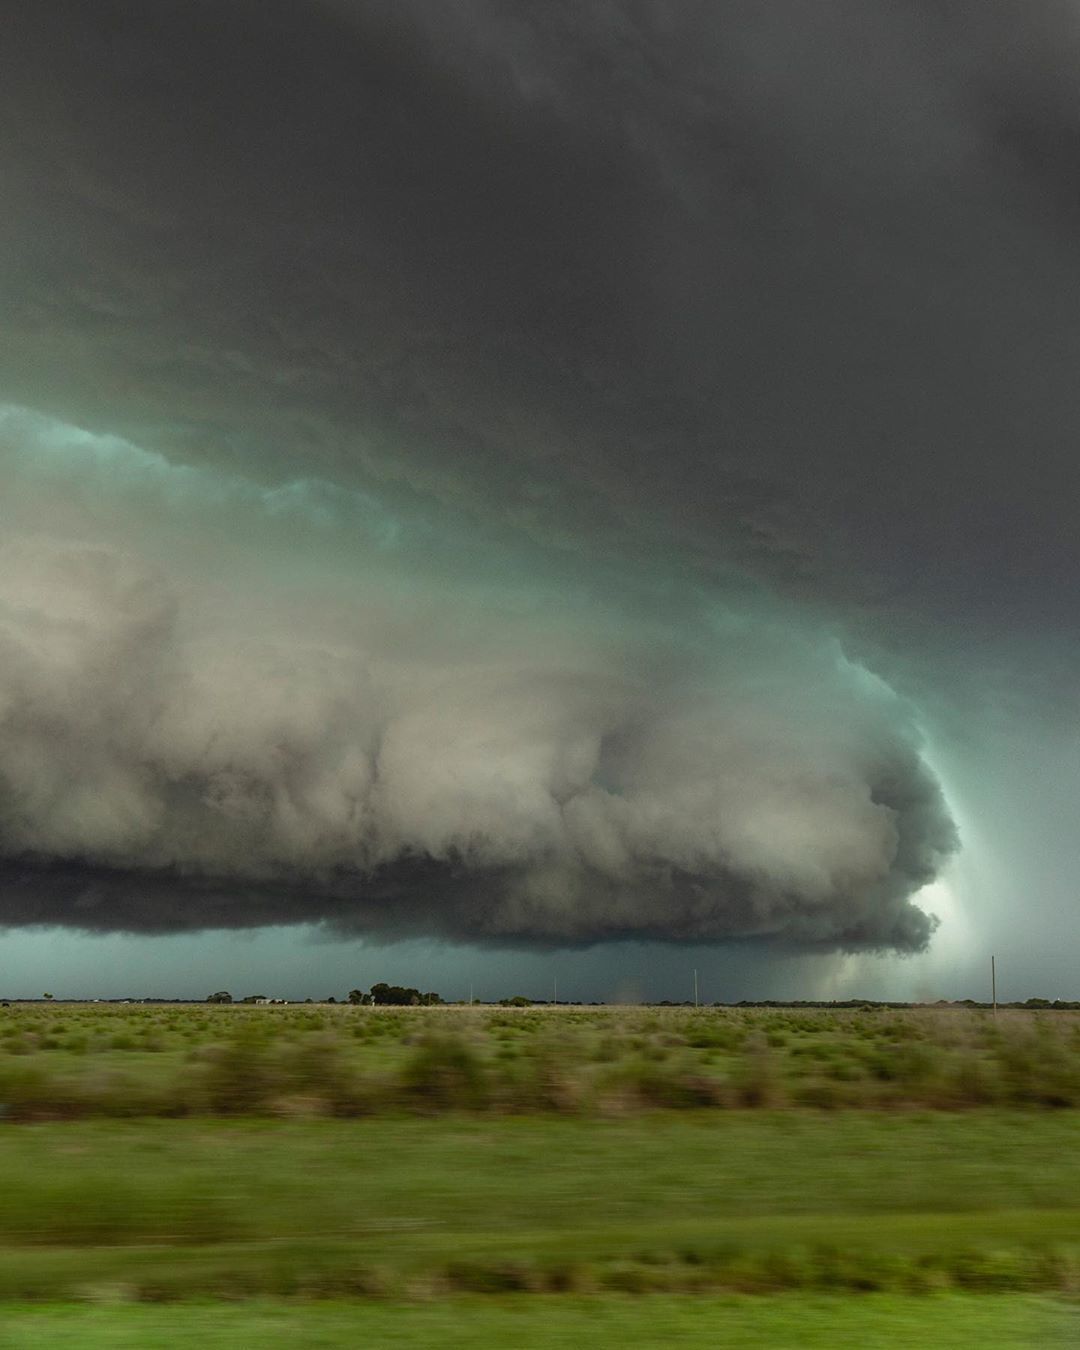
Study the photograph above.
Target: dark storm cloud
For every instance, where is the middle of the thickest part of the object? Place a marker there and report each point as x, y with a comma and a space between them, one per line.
763, 297
456, 901
359, 751
746, 276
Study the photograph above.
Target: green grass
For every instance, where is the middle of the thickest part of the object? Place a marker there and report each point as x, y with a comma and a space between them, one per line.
536, 1323
507, 1176
79, 1061
658, 1202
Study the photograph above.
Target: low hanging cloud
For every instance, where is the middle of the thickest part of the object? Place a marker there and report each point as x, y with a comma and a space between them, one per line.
560, 457
345, 733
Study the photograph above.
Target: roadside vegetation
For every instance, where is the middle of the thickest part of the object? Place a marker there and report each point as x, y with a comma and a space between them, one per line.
445, 1170
65, 1062
689, 1203
812, 1322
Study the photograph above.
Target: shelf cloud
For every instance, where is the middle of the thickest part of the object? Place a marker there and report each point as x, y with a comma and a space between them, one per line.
494, 761
526, 476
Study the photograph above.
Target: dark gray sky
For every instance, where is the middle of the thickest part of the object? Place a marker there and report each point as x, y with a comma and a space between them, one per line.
527, 479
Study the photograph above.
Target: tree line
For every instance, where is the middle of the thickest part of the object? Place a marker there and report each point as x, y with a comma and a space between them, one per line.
386, 995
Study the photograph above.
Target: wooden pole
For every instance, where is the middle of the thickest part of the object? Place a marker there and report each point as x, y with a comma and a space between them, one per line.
993, 983
695, 989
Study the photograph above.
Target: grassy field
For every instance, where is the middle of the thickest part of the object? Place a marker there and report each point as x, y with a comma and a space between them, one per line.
59, 1062
637, 1172
665, 1202
872, 1322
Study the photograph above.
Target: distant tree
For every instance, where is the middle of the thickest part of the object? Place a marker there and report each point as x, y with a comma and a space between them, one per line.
254, 998
222, 996
400, 996
331, 999
356, 996
518, 1001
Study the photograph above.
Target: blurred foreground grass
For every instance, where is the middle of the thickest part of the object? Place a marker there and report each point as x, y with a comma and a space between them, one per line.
871, 1322
661, 1202
538, 1177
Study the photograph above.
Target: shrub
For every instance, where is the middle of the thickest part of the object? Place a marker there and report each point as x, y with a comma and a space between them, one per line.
445, 1074
756, 1080
237, 1077
314, 1070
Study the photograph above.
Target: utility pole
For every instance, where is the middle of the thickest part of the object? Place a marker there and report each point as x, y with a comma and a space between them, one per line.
695, 988
556, 979
993, 983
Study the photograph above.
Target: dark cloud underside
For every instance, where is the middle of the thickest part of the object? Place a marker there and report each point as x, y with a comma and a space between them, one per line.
537, 420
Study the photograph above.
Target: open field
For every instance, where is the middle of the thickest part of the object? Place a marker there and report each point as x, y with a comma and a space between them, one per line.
872, 1322
537, 1176
71, 1061
747, 1202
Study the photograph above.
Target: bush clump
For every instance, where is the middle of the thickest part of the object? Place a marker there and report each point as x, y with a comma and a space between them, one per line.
445, 1074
